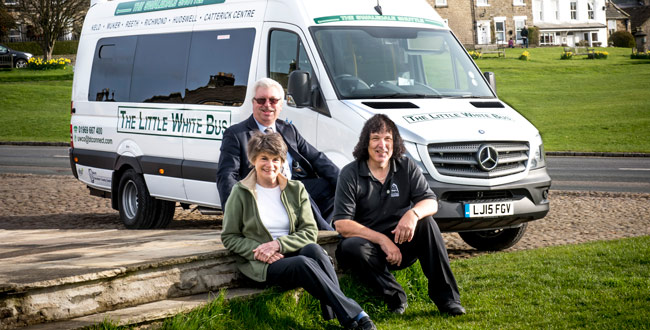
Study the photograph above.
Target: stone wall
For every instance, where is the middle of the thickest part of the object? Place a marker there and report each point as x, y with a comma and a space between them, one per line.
458, 13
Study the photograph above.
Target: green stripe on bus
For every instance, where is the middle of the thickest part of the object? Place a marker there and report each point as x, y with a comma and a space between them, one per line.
385, 18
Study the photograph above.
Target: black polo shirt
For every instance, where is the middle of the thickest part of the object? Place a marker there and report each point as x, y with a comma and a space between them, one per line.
364, 199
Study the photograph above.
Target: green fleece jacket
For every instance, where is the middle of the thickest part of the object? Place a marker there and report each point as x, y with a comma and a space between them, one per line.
244, 231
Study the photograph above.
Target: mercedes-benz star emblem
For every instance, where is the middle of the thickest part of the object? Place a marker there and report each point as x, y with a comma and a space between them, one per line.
487, 157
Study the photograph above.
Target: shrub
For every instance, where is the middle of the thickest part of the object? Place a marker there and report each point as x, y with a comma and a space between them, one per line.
60, 47
475, 54
533, 36
566, 56
622, 39
525, 56
36, 63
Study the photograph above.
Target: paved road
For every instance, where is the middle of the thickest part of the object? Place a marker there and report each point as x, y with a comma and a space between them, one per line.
613, 174
34, 160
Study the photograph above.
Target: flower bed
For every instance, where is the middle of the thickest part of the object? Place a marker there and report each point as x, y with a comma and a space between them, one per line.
641, 56
37, 63
566, 56
475, 54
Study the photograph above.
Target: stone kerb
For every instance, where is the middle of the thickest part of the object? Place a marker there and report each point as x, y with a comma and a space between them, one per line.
92, 293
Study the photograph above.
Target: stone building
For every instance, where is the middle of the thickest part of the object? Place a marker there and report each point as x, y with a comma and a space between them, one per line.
640, 21
485, 21
458, 15
617, 19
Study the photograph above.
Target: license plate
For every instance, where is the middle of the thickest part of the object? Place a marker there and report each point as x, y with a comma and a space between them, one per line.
488, 209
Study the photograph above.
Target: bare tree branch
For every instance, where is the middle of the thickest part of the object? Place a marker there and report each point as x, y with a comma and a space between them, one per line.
52, 18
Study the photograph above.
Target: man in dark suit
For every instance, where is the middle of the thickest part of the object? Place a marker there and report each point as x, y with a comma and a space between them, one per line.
304, 162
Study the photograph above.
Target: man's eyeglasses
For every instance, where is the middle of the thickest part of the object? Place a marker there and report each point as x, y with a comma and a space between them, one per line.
262, 100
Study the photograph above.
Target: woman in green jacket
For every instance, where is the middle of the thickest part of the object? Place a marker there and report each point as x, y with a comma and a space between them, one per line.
270, 224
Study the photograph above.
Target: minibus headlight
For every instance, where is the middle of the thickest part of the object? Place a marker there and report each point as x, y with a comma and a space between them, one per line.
412, 152
539, 158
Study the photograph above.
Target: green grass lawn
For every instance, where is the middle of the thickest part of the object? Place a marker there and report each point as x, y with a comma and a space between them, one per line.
35, 111
600, 285
579, 104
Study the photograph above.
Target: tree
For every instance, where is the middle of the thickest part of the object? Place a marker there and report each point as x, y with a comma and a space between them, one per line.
52, 18
7, 22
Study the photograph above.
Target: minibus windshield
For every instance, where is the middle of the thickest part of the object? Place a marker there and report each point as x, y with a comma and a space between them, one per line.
393, 62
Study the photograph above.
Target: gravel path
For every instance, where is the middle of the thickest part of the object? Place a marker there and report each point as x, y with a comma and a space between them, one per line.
61, 202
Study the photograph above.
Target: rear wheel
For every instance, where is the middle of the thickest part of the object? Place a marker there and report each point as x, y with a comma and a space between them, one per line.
494, 240
137, 207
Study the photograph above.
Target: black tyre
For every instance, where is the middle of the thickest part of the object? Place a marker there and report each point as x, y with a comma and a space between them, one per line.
164, 214
494, 240
137, 207
20, 63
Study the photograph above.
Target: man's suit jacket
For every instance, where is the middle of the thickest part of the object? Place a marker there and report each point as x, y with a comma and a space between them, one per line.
233, 161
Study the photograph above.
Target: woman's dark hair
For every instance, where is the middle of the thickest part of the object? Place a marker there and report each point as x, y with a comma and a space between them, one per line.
272, 144
377, 124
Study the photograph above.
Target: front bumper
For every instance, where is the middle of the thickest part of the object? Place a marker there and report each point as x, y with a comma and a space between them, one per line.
529, 197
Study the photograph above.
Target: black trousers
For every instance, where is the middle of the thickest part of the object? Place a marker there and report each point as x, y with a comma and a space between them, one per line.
311, 269
321, 197
368, 261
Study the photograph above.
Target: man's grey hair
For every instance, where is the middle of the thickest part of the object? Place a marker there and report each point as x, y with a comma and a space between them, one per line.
269, 83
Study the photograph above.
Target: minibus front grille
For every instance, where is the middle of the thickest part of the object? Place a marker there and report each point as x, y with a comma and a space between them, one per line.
479, 160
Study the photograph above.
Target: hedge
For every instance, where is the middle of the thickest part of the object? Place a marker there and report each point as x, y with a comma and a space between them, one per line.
67, 47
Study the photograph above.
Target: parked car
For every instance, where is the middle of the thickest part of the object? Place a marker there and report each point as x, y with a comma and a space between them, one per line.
9, 56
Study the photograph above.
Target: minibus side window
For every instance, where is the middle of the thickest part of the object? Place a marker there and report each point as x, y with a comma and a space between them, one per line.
159, 68
219, 64
110, 78
286, 54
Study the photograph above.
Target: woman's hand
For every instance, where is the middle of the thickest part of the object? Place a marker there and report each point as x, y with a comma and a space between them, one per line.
268, 252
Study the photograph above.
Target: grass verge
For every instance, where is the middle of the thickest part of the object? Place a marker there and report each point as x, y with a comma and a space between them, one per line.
600, 285
580, 104
35, 111
23, 75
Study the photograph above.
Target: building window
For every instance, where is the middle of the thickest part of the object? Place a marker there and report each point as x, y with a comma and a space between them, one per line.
519, 25
611, 26
441, 3
482, 3
555, 5
547, 38
11, 2
500, 30
590, 10
519, 2
574, 10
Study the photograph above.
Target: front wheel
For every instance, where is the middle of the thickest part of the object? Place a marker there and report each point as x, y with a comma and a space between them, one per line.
20, 63
137, 207
494, 240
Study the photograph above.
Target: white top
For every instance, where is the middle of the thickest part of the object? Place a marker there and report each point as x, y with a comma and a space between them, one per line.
272, 212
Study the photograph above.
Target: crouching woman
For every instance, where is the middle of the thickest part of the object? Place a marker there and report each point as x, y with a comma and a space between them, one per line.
268, 221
